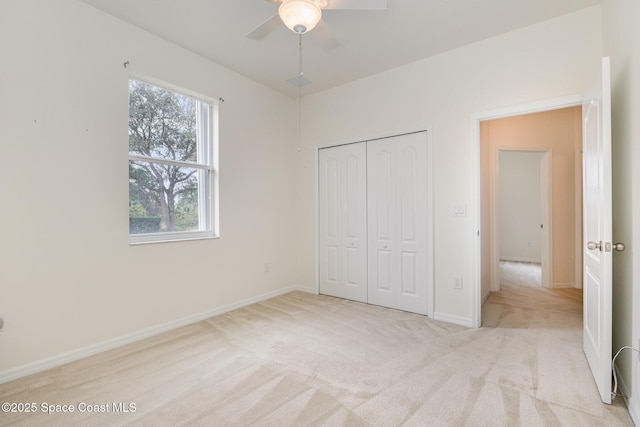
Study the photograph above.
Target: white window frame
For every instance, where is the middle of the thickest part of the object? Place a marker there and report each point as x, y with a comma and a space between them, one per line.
207, 163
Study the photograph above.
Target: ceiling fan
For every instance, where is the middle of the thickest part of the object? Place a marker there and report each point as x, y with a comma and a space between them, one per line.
302, 16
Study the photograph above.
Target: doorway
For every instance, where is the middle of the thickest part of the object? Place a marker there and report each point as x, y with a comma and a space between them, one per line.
522, 218
537, 129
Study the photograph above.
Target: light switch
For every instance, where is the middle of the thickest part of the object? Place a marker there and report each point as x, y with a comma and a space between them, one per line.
460, 210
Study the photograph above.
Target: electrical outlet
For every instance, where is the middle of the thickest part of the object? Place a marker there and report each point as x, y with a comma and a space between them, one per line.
267, 267
457, 283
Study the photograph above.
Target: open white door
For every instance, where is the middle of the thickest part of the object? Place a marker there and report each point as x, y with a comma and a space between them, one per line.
597, 282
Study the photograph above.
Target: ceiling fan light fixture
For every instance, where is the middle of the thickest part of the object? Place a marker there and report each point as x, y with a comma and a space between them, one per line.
300, 16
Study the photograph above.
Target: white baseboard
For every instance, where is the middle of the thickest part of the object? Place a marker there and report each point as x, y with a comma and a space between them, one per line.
634, 411
518, 259
301, 288
632, 404
463, 321
486, 296
61, 359
563, 285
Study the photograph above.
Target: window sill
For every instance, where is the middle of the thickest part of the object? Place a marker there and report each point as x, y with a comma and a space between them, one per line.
150, 238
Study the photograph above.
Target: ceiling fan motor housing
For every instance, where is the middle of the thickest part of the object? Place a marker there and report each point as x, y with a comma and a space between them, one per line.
300, 16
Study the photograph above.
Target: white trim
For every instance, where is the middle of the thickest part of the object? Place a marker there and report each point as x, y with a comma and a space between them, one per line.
177, 236
486, 296
457, 320
301, 288
563, 285
174, 88
632, 404
530, 108
634, 410
61, 359
475, 222
516, 259
474, 215
546, 202
431, 255
390, 134
316, 213
578, 267
146, 159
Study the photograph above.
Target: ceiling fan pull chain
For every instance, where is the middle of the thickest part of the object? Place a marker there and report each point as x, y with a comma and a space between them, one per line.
300, 73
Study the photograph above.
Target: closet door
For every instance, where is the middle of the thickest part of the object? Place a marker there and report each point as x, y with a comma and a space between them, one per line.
398, 215
343, 221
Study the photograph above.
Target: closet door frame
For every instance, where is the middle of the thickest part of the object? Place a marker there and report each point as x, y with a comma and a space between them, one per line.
429, 196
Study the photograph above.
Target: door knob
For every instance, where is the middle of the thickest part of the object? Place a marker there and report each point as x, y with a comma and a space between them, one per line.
619, 247
593, 245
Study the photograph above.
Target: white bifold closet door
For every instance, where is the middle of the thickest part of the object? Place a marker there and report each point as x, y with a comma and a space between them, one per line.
342, 220
398, 222
374, 216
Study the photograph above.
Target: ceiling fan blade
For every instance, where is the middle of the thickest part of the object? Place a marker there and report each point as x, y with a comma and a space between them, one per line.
266, 28
357, 4
325, 37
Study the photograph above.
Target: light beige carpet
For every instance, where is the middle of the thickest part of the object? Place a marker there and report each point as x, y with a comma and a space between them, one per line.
521, 273
301, 359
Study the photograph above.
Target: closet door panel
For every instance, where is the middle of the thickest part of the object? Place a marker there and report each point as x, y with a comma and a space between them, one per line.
408, 283
381, 217
329, 203
381, 277
331, 267
407, 192
342, 222
398, 215
413, 209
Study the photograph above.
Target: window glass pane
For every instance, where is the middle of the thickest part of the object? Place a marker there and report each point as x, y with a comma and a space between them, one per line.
172, 153
164, 198
162, 124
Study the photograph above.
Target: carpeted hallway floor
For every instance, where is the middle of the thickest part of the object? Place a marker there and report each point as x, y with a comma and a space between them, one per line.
521, 273
302, 359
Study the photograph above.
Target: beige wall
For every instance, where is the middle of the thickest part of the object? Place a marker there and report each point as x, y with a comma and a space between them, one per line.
68, 278
558, 131
621, 34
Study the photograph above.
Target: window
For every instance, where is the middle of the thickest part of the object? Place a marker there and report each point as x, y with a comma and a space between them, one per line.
172, 165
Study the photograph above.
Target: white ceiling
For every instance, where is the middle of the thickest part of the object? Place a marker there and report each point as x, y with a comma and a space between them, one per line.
371, 41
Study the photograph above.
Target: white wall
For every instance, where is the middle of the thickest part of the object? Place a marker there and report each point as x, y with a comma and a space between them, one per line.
543, 61
519, 206
68, 277
621, 35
